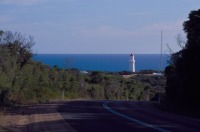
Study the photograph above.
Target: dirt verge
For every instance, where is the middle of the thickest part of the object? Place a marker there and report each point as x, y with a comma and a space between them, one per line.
34, 118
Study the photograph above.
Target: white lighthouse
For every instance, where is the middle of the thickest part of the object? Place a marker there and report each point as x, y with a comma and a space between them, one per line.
132, 63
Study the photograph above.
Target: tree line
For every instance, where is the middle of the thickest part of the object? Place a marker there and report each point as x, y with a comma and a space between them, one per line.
23, 80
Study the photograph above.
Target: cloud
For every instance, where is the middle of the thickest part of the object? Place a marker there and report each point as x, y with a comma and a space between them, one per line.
5, 19
173, 28
139, 14
147, 36
170, 31
20, 2
106, 31
170, 28
30, 2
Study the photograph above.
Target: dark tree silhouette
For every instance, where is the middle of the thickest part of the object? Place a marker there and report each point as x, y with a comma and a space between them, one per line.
183, 80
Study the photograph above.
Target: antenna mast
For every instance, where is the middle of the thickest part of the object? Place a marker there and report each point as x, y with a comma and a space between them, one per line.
161, 48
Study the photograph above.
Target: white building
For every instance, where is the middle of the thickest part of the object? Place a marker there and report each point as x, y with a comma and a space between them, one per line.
132, 63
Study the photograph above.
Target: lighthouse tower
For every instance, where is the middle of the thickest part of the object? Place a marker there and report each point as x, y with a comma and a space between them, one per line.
132, 63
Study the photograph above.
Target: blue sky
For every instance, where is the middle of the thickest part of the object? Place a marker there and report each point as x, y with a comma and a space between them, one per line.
97, 26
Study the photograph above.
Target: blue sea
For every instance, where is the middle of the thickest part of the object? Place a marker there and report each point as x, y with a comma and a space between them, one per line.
103, 62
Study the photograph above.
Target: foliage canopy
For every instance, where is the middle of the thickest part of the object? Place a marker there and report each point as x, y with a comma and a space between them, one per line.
183, 76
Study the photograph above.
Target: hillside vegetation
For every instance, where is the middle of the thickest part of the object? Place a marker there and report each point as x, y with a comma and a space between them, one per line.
23, 80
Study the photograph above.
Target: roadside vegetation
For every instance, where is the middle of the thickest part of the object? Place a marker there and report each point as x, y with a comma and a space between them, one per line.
183, 75
23, 80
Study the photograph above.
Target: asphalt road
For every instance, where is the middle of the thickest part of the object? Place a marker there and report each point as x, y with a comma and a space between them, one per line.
123, 116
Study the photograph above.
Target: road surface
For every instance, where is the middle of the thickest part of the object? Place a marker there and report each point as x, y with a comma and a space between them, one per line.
123, 116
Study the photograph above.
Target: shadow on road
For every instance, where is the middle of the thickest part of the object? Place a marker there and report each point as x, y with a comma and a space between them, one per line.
91, 116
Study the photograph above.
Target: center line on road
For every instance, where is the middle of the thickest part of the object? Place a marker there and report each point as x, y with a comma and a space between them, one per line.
133, 120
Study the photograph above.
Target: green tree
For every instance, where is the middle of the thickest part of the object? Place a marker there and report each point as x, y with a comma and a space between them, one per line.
19, 45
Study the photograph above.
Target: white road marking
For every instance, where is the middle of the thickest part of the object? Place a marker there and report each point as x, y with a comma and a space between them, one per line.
132, 119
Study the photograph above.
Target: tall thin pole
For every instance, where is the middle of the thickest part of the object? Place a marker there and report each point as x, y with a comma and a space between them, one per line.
161, 48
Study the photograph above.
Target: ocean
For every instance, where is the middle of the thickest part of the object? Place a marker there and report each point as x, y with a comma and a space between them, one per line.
103, 62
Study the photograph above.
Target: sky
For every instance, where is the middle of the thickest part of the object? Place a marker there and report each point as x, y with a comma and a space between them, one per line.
98, 26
